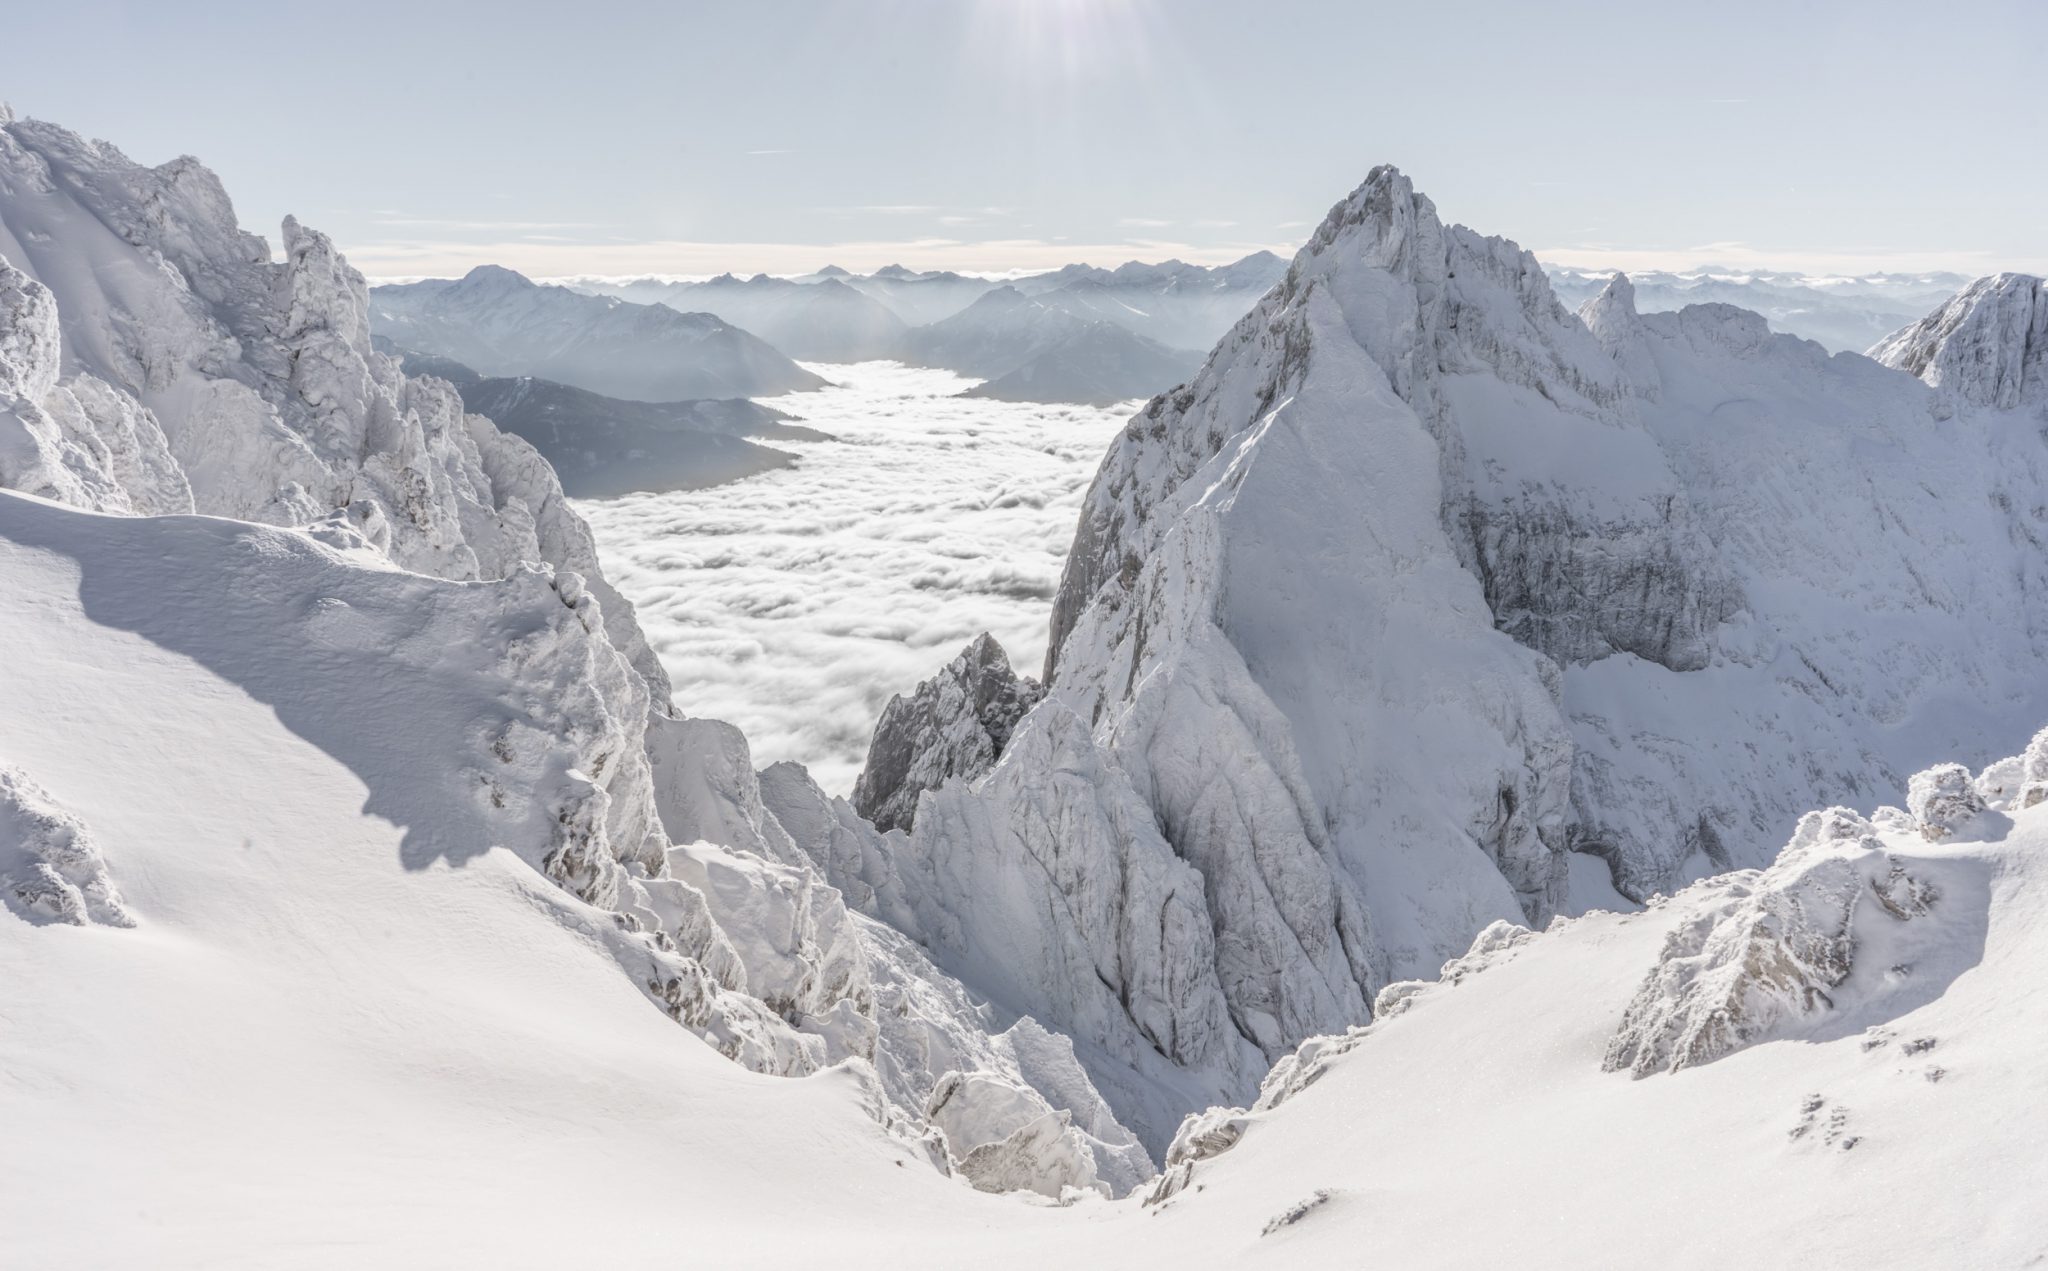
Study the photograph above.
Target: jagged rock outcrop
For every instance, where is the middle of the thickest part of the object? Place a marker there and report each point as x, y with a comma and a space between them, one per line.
1987, 346
1778, 951
260, 378
781, 897
955, 725
82, 442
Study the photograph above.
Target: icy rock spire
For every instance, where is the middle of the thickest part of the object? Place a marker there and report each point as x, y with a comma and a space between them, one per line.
955, 725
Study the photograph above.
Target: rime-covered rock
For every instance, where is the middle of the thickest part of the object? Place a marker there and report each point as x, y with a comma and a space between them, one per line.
1778, 952
51, 869
954, 726
81, 442
201, 369
1988, 345
1943, 800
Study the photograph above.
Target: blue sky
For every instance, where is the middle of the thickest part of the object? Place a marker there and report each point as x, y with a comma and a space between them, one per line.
782, 135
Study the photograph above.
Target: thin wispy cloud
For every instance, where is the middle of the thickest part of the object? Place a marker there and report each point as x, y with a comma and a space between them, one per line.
1739, 255
1143, 222
482, 227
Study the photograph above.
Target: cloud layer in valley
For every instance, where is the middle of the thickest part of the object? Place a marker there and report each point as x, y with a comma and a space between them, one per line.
795, 602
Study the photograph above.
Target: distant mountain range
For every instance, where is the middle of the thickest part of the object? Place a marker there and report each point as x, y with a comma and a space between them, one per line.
603, 447
1122, 333
1842, 313
502, 323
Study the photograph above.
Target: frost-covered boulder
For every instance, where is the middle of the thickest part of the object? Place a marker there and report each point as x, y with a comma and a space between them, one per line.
51, 869
954, 726
1943, 801
1781, 949
1005, 1137
1987, 346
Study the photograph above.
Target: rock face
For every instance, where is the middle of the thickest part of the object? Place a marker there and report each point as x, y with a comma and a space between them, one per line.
1425, 583
1988, 346
1821, 934
82, 442
955, 725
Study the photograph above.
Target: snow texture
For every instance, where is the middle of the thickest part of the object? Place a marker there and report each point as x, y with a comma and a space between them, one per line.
1988, 346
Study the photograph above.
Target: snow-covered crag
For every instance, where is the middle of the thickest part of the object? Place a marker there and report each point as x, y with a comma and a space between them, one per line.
954, 726
215, 379
1424, 590
154, 359
1988, 346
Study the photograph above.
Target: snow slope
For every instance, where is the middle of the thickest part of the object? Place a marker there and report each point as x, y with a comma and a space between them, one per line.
334, 1037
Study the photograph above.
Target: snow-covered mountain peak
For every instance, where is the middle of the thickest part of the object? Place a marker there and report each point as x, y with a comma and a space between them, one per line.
496, 277
1988, 345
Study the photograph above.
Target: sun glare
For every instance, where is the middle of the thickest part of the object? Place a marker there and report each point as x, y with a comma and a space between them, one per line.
1071, 38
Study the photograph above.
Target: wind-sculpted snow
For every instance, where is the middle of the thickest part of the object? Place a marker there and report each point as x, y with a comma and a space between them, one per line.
778, 898
954, 726
519, 683
1842, 931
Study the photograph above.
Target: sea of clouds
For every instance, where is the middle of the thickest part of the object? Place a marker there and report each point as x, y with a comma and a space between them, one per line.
794, 603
